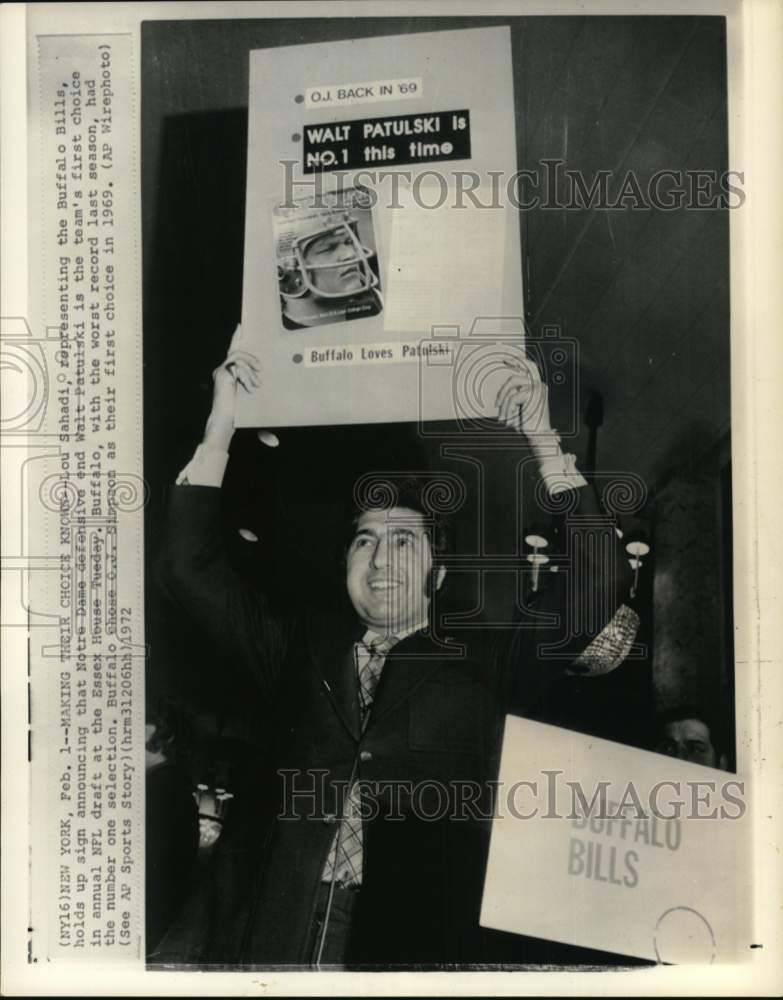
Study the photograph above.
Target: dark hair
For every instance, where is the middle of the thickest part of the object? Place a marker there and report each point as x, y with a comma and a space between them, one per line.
689, 710
413, 492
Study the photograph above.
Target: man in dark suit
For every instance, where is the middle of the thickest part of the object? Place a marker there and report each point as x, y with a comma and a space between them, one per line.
384, 742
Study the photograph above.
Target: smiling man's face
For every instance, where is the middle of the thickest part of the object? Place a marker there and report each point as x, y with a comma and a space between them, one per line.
388, 567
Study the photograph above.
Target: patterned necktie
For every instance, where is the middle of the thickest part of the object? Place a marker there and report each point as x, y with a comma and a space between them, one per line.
346, 855
370, 659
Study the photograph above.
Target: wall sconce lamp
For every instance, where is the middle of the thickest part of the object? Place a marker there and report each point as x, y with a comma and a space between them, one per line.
636, 546
537, 540
212, 806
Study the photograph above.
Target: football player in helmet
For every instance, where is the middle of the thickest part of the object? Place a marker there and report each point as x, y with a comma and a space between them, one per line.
328, 276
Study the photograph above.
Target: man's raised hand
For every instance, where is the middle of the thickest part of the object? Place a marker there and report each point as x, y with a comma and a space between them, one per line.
240, 368
523, 400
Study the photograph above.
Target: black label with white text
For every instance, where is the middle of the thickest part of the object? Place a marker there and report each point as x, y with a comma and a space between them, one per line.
397, 139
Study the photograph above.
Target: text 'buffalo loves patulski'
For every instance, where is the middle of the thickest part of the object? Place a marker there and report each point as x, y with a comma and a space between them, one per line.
368, 353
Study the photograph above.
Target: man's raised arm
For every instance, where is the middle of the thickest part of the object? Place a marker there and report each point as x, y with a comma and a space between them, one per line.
595, 626
193, 568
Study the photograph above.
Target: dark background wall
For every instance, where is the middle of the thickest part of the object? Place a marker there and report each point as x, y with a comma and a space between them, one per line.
644, 293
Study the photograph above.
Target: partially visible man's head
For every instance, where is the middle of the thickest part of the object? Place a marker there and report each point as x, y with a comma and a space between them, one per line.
393, 563
688, 734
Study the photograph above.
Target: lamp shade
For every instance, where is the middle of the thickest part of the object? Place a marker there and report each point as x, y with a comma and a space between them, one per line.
636, 544
537, 536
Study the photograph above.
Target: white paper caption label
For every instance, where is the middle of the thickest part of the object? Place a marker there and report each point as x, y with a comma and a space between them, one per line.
346, 94
391, 352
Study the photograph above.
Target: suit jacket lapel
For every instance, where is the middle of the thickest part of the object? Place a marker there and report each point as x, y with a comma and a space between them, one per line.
331, 640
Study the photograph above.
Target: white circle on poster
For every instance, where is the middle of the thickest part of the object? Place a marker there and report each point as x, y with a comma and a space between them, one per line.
683, 935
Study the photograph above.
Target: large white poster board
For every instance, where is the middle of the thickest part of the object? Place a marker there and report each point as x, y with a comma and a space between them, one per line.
658, 868
379, 224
